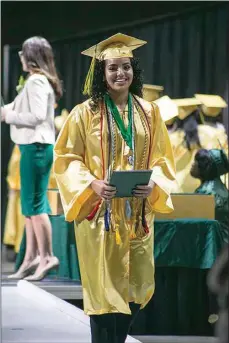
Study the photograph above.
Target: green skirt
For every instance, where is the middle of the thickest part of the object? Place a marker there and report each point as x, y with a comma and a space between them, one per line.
35, 165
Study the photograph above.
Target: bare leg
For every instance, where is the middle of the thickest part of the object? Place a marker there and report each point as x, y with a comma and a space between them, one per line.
31, 259
31, 242
43, 231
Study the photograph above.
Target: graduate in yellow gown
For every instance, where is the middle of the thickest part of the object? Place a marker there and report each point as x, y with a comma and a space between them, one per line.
169, 112
168, 109
151, 92
211, 107
188, 139
115, 129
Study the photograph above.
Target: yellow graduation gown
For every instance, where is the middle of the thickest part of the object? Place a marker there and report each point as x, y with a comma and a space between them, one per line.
209, 138
14, 221
113, 273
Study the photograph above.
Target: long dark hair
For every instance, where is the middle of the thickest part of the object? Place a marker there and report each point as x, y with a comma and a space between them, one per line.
99, 87
206, 165
38, 56
207, 168
214, 120
190, 127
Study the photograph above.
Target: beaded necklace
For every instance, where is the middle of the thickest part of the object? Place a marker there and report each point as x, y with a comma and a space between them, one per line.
113, 125
129, 203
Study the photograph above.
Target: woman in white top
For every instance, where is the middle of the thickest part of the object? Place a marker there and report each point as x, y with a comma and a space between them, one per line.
31, 119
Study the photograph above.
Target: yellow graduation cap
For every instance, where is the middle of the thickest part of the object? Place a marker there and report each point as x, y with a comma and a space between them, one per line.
116, 46
151, 92
211, 105
168, 109
59, 120
186, 106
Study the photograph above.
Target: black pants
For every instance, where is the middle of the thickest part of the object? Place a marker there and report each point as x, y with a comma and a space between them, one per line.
112, 327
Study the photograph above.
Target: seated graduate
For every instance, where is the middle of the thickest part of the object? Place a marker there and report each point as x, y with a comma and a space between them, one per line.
208, 166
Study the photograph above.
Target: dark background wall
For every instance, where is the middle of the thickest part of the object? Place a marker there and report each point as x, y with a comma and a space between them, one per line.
186, 51
61, 19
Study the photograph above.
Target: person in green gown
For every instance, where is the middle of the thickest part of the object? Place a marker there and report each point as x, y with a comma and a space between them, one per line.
208, 166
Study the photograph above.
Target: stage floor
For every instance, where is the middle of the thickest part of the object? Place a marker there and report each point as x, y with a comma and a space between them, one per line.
62, 288
30, 315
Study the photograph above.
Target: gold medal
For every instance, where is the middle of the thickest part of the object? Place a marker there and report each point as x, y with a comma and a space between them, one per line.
131, 160
126, 150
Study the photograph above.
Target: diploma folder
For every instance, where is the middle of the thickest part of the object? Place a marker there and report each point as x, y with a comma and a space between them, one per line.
126, 181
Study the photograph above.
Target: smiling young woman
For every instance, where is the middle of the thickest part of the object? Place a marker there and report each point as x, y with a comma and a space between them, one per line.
115, 129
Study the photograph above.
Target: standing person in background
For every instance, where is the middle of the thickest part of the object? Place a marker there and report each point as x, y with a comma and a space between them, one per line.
151, 92
114, 130
168, 109
185, 142
211, 110
190, 136
31, 119
169, 112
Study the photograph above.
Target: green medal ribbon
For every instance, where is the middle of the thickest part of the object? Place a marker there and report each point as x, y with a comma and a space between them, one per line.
126, 133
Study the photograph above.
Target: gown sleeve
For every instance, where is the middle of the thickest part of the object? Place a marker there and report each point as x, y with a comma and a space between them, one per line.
72, 175
162, 165
13, 176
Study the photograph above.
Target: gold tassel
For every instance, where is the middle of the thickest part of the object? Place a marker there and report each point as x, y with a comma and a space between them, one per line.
133, 235
132, 230
117, 236
201, 116
89, 78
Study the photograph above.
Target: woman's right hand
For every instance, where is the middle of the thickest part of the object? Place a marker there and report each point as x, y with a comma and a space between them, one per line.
3, 113
103, 189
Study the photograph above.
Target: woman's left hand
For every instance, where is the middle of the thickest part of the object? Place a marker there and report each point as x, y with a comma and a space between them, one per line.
144, 191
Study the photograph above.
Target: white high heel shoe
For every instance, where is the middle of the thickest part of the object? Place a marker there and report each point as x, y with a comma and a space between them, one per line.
52, 264
25, 271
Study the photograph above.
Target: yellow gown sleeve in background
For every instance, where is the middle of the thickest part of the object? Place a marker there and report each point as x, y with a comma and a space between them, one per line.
52, 180
73, 177
162, 165
13, 177
14, 221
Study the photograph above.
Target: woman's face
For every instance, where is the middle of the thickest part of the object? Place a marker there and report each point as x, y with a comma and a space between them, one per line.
22, 59
118, 74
